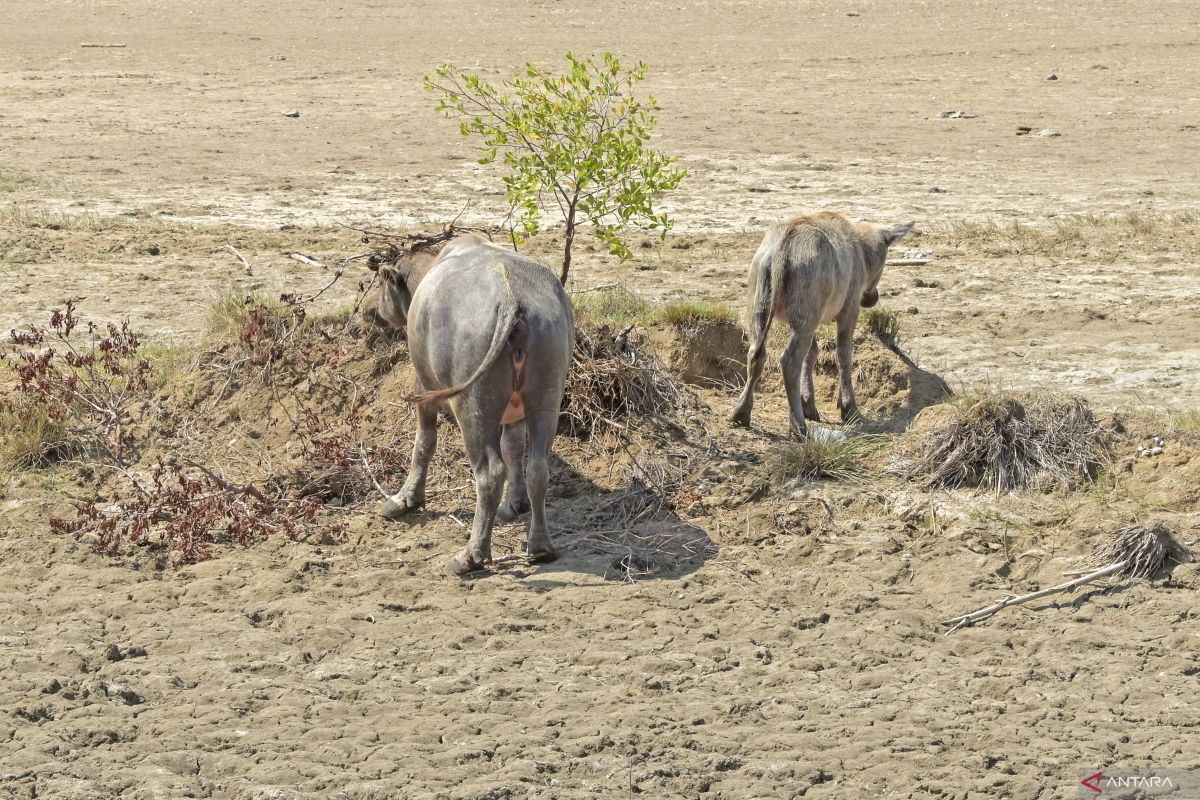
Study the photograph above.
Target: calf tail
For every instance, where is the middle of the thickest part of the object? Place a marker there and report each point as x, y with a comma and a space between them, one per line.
764, 294
509, 318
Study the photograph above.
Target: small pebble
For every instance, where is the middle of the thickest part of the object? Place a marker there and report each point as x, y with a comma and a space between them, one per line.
279, 58
1048, 133
292, 114
1156, 451
1051, 77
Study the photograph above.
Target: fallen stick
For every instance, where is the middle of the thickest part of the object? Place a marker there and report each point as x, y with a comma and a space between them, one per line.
241, 258
99, 44
303, 259
984, 613
908, 262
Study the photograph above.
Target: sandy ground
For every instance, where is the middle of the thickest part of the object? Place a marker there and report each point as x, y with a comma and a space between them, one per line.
803, 656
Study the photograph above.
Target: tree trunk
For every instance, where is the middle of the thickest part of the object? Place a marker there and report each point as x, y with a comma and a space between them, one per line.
568, 240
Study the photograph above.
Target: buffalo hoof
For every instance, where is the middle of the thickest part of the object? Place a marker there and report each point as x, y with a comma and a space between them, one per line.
508, 513
740, 418
396, 507
465, 563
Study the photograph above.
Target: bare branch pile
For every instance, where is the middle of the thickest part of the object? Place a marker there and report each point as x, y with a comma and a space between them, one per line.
615, 380
1003, 443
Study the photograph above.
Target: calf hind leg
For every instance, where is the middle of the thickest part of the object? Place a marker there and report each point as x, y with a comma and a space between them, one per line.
845, 355
756, 357
792, 362
807, 394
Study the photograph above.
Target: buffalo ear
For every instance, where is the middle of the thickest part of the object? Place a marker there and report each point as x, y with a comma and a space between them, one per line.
896, 233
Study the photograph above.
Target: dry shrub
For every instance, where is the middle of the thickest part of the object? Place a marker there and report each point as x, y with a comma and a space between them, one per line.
71, 393
614, 380
1005, 442
1143, 550
182, 513
338, 462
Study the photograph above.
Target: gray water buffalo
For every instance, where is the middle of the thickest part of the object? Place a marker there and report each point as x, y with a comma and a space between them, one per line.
809, 270
490, 333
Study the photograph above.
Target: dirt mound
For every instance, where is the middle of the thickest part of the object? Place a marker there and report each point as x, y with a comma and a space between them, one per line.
706, 353
889, 386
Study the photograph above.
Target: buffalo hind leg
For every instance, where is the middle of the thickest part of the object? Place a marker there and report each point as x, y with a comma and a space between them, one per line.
487, 460
412, 495
542, 427
808, 397
512, 445
845, 357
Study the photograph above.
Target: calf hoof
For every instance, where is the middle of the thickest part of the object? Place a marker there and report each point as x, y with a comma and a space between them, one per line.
799, 433
812, 415
395, 507
508, 513
740, 418
466, 562
542, 555
850, 415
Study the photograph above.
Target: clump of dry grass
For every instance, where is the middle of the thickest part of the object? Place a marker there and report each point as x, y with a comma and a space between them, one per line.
614, 380
823, 455
1006, 442
30, 436
1142, 550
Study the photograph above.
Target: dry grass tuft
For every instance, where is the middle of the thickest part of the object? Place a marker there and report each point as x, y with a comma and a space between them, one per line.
31, 437
1005, 442
1143, 550
614, 380
824, 455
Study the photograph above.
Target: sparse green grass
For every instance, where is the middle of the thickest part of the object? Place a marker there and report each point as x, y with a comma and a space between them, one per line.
23, 216
614, 306
1187, 421
230, 311
11, 180
823, 457
166, 361
618, 307
881, 322
694, 312
1085, 234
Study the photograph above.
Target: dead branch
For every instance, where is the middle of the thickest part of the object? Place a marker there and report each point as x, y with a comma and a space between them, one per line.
1134, 552
241, 258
